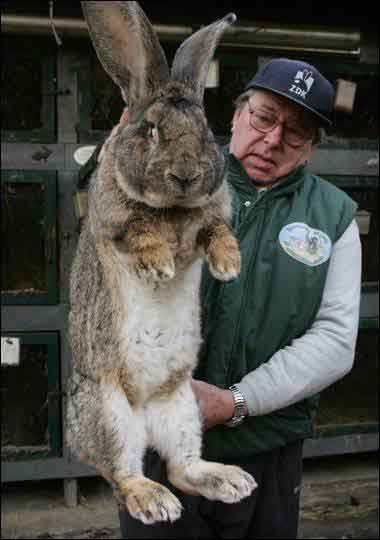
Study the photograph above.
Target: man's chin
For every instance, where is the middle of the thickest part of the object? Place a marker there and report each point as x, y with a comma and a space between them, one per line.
260, 178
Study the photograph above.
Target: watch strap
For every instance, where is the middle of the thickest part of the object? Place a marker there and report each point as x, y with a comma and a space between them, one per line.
240, 403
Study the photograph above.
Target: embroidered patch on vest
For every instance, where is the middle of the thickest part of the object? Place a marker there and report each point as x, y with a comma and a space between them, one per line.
307, 245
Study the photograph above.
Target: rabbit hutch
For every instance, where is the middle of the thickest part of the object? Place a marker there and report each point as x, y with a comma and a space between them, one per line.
58, 104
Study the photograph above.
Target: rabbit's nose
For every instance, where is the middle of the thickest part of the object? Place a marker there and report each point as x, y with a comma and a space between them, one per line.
183, 179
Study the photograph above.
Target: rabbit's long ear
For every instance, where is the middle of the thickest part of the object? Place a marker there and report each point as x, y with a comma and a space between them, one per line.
128, 48
192, 60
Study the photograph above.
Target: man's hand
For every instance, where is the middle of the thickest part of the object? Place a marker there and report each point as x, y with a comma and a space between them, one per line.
216, 405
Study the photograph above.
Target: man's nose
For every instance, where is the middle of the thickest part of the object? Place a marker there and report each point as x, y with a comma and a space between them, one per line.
274, 137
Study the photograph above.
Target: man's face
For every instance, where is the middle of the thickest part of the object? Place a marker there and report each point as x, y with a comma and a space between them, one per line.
266, 157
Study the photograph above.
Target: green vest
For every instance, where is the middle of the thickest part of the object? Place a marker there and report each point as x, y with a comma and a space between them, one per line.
285, 238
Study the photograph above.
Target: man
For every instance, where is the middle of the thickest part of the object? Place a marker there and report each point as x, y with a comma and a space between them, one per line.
287, 327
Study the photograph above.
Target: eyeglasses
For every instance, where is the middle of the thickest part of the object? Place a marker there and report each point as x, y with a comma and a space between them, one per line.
265, 122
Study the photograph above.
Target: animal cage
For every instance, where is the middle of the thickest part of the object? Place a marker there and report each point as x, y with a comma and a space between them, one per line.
57, 101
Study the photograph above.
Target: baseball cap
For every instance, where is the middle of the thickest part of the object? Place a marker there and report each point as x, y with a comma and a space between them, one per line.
299, 82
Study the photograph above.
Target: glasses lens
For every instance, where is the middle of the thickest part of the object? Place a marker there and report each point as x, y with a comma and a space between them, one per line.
296, 136
264, 121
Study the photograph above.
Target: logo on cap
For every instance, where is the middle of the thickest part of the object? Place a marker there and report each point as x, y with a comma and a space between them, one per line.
303, 81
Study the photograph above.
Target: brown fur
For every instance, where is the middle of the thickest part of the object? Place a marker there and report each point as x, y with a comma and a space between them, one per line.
172, 383
145, 496
157, 203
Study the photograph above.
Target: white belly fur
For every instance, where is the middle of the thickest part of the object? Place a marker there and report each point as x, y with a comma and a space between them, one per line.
161, 328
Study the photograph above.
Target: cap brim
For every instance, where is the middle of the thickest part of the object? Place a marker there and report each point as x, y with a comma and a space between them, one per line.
325, 120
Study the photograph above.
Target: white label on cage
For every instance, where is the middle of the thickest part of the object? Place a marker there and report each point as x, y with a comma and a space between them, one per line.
83, 154
212, 80
10, 351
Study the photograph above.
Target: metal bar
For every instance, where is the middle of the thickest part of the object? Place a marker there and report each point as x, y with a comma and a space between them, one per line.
70, 487
33, 318
43, 469
369, 304
67, 106
357, 182
51, 237
291, 35
348, 444
21, 156
339, 430
28, 24
54, 395
343, 162
259, 35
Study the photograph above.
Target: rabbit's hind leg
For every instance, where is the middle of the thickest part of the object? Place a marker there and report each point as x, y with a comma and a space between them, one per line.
95, 430
104, 431
145, 500
175, 427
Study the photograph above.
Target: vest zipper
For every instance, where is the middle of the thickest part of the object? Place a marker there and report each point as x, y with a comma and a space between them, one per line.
252, 205
244, 296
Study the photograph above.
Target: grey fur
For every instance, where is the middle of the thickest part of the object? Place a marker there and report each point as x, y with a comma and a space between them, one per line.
192, 60
158, 203
128, 48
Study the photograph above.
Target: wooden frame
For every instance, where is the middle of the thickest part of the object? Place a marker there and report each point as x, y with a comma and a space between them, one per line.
54, 427
49, 182
45, 134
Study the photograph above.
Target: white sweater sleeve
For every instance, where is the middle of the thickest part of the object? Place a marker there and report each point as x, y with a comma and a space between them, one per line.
325, 353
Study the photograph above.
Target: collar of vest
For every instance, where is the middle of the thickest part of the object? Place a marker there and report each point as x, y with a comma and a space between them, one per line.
243, 183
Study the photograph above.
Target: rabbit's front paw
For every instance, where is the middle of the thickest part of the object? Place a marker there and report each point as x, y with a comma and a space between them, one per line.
223, 257
150, 501
155, 263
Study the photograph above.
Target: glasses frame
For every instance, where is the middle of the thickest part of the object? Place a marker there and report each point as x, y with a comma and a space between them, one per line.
251, 111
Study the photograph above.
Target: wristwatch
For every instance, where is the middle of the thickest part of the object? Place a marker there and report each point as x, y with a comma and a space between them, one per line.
239, 401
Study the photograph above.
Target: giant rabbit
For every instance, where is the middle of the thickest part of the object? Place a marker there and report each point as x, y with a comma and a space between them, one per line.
158, 205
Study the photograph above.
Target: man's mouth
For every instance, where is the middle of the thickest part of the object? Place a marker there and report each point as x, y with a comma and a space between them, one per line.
262, 162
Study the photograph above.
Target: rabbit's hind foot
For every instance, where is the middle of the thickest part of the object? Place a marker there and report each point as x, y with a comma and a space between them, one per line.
217, 482
149, 501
